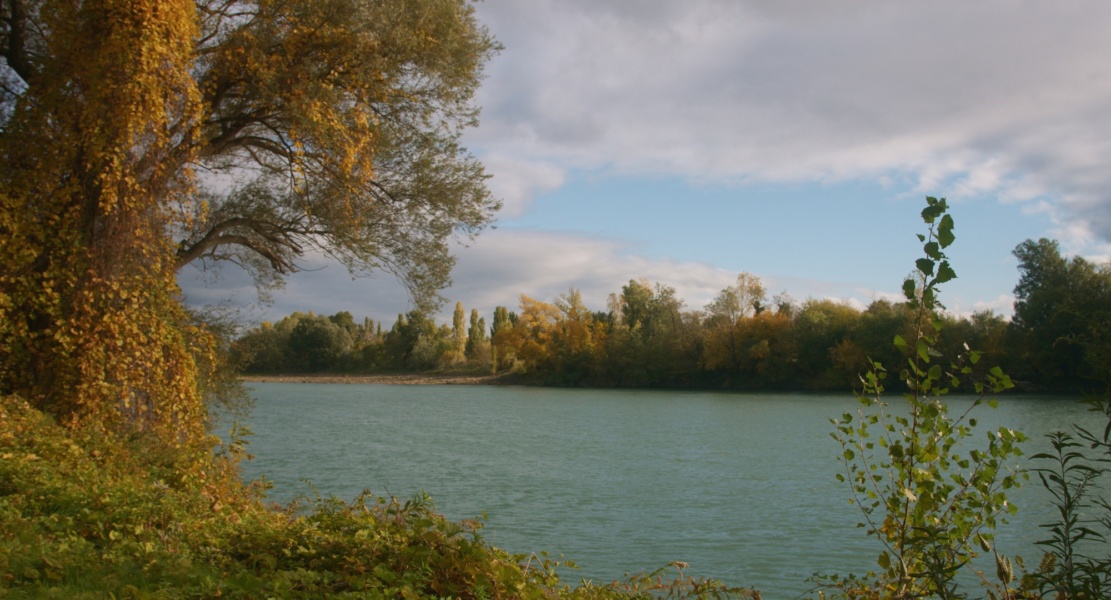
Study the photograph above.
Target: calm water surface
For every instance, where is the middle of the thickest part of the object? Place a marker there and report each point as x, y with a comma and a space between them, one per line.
741, 486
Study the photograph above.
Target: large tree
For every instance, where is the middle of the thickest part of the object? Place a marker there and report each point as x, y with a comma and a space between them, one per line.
1062, 307
724, 315
138, 136
98, 101
324, 124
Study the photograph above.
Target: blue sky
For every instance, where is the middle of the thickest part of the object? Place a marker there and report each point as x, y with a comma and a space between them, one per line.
685, 142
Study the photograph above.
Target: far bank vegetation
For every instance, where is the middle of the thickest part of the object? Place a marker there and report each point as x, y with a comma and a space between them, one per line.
648, 337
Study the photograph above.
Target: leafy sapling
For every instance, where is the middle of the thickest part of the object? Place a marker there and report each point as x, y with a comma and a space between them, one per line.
930, 497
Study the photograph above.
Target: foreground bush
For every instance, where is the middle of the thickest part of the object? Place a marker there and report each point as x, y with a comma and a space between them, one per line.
79, 519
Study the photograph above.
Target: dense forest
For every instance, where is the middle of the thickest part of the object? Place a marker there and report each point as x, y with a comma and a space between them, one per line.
647, 337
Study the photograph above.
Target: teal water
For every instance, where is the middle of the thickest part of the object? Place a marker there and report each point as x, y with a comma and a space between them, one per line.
740, 486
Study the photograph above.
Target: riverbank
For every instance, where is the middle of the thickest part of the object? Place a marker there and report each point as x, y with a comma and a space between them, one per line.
383, 379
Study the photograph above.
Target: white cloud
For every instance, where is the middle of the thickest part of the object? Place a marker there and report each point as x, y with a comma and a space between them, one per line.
995, 97
516, 182
322, 286
543, 265
494, 271
1003, 304
989, 98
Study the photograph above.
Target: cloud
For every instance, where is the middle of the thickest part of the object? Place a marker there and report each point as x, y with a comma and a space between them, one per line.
496, 270
993, 97
544, 265
968, 100
1004, 304
322, 286
516, 182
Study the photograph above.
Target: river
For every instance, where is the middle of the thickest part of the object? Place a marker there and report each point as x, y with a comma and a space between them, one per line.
740, 486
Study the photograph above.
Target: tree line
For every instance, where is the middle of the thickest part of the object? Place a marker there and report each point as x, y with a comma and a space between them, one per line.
647, 337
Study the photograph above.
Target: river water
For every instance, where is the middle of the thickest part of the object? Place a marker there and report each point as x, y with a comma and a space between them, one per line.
740, 486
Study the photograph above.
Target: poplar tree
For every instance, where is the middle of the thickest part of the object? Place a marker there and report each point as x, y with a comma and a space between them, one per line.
501, 321
1062, 310
459, 329
476, 334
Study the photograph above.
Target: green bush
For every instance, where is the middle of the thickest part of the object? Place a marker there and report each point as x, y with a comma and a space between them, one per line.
79, 519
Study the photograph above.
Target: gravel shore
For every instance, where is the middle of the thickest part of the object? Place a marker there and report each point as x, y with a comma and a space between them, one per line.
403, 379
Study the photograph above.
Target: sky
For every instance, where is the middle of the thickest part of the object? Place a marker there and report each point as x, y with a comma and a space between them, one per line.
686, 142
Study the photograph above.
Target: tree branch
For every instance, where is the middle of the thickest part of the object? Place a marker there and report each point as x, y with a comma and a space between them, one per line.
277, 236
15, 52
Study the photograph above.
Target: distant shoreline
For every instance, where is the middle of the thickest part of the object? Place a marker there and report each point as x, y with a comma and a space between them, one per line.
382, 379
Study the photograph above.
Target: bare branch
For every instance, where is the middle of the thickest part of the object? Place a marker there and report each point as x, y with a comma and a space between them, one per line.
276, 236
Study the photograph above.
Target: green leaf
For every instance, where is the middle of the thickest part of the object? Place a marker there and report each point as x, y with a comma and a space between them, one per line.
909, 287
935, 372
931, 249
928, 297
925, 265
945, 272
945, 231
933, 210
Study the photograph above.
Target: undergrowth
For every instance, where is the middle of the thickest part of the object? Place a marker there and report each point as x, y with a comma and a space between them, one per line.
79, 519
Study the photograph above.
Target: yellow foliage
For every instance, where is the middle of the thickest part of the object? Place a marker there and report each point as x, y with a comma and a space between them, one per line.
93, 331
577, 331
529, 339
544, 330
339, 121
342, 117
